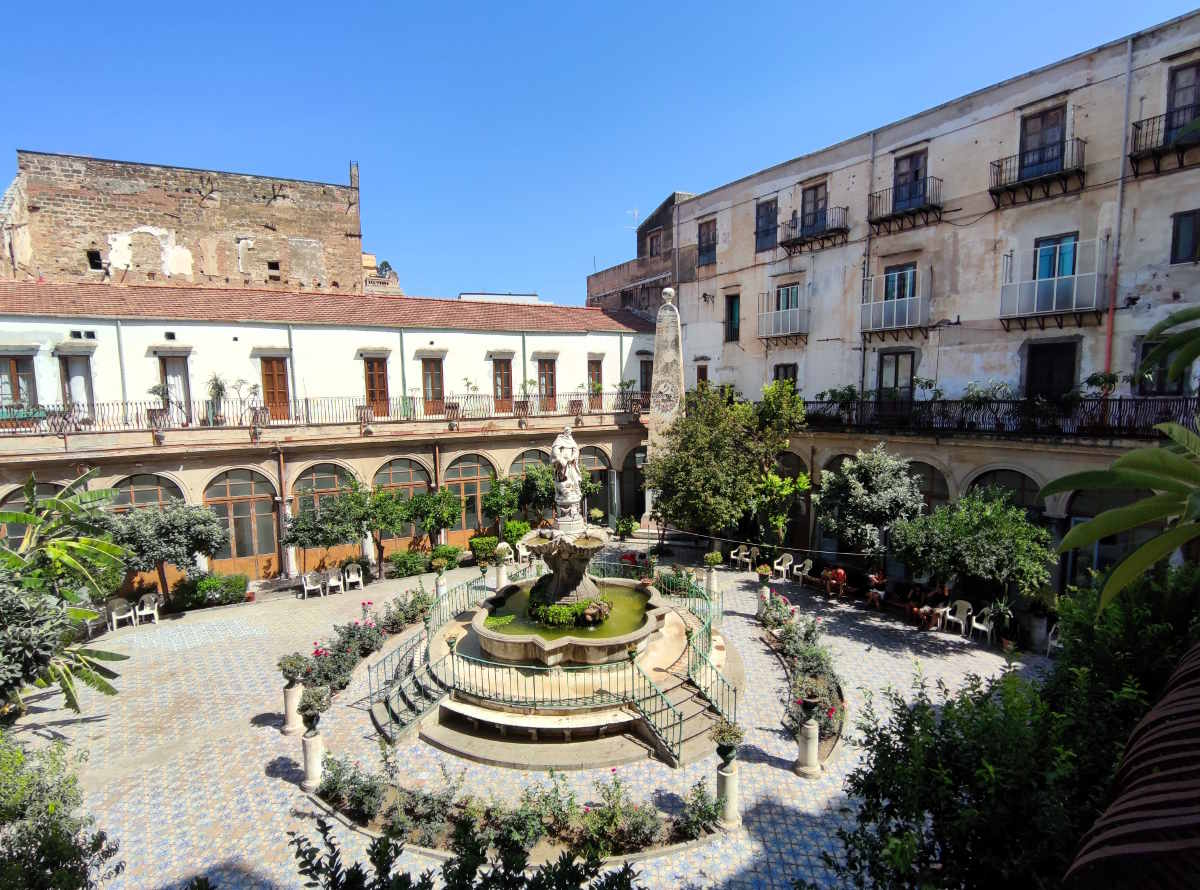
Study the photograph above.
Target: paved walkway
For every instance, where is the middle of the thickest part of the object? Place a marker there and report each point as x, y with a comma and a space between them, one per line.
189, 771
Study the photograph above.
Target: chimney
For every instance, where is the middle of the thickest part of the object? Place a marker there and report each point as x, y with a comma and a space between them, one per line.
354, 174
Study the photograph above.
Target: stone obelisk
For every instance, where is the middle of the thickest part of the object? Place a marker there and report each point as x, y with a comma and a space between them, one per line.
666, 388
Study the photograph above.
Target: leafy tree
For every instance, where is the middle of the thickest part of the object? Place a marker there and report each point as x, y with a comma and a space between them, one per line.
173, 534
384, 268
981, 535
861, 500
704, 477
436, 511
387, 512
537, 490
774, 496
46, 843
502, 500
780, 416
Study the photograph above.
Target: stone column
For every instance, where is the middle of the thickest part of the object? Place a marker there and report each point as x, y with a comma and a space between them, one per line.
710, 580
291, 704
314, 752
727, 792
614, 499
666, 386
807, 765
501, 575
289, 553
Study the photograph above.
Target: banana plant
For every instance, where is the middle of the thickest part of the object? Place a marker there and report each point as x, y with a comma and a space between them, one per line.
1180, 348
1172, 472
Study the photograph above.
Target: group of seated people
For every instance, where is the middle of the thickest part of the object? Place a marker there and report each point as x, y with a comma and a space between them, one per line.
918, 603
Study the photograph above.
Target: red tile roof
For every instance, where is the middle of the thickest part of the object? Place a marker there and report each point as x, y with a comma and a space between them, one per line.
235, 305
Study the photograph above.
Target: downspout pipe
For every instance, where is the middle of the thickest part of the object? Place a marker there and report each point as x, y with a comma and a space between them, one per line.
862, 370
121, 366
1112, 285
292, 366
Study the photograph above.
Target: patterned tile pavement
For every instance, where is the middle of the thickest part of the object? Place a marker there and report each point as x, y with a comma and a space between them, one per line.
187, 766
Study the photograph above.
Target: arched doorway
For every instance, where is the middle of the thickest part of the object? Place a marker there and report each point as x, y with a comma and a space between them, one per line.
319, 484
633, 484
470, 476
1023, 491
406, 478
245, 502
595, 463
1106, 552
147, 491
934, 487
790, 466
14, 532
530, 458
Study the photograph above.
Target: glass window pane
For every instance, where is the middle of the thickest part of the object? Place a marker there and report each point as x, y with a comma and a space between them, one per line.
239, 489
264, 526
243, 536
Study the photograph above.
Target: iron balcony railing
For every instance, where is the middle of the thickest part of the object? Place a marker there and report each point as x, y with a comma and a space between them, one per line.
1036, 163
895, 300
1065, 277
814, 224
905, 197
1165, 132
706, 252
784, 315
1095, 417
62, 419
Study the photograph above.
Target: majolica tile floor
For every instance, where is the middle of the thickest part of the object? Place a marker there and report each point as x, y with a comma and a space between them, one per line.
188, 769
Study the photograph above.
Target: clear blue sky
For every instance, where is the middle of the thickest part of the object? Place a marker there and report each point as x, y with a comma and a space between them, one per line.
501, 146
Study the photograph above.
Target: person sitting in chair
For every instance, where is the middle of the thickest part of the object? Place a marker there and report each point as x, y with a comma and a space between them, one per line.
876, 590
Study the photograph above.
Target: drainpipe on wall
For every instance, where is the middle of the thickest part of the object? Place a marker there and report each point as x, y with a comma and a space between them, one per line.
524, 365
121, 365
1112, 287
292, 367
403, 371
285, 568
862, 368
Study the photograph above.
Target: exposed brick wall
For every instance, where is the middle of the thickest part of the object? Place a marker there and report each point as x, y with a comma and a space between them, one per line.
154, 223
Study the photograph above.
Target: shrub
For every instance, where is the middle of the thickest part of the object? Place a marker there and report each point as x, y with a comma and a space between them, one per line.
448, 552
515, 530
359, 637
408, 562
331, 668
293, 667
596, 515
557, 804
350, 789
484, 547
626, 526
422, 815
617, 825
207, 590
700, 813
714, 558
313, 703
777, 613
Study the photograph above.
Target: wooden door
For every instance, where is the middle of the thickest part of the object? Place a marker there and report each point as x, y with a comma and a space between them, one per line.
431, 386
275, 386
595, 384
375, 370
547, 386
502, 384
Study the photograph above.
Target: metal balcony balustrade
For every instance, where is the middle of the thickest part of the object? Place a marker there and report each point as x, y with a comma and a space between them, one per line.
784, 315
1057, 165
905, 205
1089, 417
815, 229
895, 302
1153, 138
154, 415
1057, 281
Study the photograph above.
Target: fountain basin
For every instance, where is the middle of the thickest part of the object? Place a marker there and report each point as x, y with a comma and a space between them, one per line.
522, 642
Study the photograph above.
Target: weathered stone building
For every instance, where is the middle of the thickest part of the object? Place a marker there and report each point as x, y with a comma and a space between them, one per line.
66, 218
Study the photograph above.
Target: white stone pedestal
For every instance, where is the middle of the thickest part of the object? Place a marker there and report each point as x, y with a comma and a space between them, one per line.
727, 791
710, 580
807, 765
439, 585
292, 723
314, 752
500, 576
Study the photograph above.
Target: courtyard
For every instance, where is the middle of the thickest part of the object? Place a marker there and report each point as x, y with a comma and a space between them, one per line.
188, 769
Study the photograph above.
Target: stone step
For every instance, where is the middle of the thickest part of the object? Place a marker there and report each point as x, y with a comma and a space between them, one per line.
527, 755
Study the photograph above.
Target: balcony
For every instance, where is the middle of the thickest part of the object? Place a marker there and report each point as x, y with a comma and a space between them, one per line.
1059, 282
814, 230
784, 323
1111, 418
905, 206
895, 303
1167, 135
1038, 173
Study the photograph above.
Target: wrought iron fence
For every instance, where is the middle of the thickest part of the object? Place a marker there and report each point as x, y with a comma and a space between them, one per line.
814, 224
1034, 163
905, 197
61, 419
1165, 131
1131, 418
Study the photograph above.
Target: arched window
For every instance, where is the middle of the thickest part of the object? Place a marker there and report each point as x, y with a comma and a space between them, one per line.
470, 476
790, 466
527, 459
245, 502
633, 483
13, 532
595, 463
407, 477
1106, 552
144, 490
1023, 490
933, 484
319, 483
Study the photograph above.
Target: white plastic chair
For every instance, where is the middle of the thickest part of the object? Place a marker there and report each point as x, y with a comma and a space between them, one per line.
740, 556
120, 610
782, 566
147, 608
333, 581
522, 553
801, 569
312, 584
353, 576
1052, 641
983, 621
960, 614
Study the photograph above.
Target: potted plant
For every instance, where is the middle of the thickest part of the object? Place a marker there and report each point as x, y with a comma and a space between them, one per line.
626, 526
438, 565
483, 567
596, 515
293, 667
575, 404
626, 401
313, 703
1001, 614
1036, 619
764, 574
158, 416
217, 388
727, 737
809, 696
595, 396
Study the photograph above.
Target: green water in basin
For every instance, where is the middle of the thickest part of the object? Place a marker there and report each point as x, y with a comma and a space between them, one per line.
628, 614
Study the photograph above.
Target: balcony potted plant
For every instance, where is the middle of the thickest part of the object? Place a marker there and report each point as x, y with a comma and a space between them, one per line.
217, 388
595, 396
628, 401
159, 417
